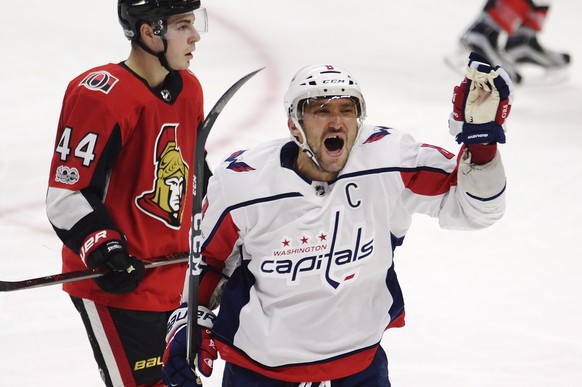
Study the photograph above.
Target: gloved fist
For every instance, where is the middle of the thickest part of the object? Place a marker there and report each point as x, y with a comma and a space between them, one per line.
481, 103
107, 248
176, 371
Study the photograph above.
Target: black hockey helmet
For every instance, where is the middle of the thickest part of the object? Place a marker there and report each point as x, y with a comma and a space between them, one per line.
133, 12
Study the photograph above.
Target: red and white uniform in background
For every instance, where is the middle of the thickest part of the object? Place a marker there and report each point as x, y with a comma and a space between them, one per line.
123, 160
312, 284
510, 14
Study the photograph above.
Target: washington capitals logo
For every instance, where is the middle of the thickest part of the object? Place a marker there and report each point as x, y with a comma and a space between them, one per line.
335, 261
235, 164
378, 134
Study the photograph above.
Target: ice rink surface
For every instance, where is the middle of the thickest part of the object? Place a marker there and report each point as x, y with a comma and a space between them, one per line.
500, 307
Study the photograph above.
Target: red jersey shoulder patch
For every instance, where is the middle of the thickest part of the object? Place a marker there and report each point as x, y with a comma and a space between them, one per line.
99, 81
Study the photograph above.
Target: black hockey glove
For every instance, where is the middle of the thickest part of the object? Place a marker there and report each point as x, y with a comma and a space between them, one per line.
481, 103
107, 248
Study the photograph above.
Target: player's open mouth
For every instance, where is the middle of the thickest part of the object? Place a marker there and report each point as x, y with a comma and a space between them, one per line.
334, 144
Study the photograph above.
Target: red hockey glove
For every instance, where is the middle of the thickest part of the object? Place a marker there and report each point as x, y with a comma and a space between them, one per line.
107, 248
176, 371
481, 103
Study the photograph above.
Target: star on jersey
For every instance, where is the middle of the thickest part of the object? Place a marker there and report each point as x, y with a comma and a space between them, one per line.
304, 240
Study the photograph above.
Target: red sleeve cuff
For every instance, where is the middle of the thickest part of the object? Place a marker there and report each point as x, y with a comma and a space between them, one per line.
482, 153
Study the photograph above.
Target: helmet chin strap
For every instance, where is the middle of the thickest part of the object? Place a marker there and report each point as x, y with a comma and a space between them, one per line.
304, 146
160, 55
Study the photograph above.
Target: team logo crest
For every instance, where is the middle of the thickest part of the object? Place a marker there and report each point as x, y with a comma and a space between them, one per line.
165, 201
378, 134
324, 255
319, 190
99, 81
235, 163
67, 175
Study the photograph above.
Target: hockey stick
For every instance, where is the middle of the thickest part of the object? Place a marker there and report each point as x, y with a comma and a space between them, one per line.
79, 275
195, 258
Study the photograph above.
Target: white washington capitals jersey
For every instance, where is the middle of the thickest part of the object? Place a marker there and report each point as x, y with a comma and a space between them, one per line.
312, 285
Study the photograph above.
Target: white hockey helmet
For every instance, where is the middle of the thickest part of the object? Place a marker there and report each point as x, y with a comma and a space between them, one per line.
320, 81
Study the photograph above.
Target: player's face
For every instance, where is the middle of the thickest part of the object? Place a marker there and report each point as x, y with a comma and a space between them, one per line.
331, 127
181, 36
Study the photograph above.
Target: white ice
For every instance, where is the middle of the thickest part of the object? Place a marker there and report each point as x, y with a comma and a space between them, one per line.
499, 307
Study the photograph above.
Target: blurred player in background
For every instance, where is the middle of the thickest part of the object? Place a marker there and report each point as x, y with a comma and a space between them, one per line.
521, 21
120, 185
300, 233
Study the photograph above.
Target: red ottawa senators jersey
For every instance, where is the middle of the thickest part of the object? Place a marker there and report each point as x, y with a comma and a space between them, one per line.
123, 160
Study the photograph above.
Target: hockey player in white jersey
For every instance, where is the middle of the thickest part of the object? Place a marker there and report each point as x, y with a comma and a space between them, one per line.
300, 235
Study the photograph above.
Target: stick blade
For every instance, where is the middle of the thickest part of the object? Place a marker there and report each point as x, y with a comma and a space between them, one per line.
208, 122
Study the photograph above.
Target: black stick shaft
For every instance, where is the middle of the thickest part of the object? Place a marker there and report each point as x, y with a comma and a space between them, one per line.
80, 275
196, 237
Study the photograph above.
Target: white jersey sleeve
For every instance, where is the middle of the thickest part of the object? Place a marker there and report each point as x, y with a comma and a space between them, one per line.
461, 195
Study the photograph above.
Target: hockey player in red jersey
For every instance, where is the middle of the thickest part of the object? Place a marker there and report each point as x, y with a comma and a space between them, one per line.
120, 186
521, 21
300, 260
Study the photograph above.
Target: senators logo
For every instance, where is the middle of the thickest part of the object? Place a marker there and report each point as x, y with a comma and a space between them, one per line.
99, 81
165, 201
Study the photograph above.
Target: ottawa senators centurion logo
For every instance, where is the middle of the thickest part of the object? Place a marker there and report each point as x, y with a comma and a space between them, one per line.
165, 201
